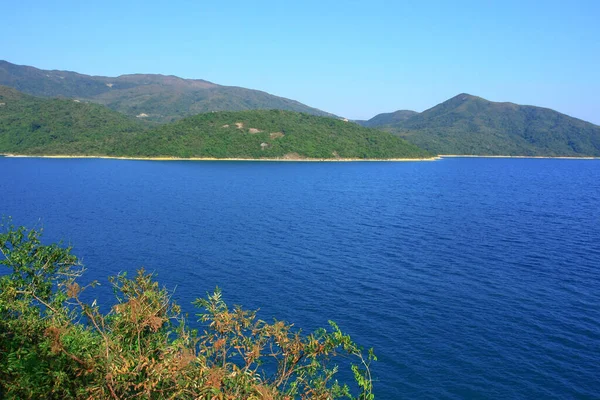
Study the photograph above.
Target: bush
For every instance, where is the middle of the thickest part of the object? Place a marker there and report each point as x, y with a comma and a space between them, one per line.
54, 345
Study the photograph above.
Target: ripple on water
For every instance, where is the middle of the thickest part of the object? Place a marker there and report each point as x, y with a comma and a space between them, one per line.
472, 278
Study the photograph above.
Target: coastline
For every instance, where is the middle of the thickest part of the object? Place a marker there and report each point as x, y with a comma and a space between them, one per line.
299, 159
281, 159
533, 157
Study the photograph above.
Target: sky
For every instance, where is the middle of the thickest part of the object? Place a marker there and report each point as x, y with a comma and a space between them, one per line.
352, 58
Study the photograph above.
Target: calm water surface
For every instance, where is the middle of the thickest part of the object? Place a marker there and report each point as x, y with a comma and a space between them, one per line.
471, 278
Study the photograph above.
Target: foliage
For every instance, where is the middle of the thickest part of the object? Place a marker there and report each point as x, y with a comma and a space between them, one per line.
30, 125
58, 126
471, 125
54, 345
267, 134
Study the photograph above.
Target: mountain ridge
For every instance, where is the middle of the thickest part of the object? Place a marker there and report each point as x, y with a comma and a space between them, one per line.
471, 125
464, 124
156, 97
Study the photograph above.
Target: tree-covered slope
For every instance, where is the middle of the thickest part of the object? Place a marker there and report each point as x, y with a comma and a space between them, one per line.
267, 134
31, 125
153, 97
388, 119
471, 125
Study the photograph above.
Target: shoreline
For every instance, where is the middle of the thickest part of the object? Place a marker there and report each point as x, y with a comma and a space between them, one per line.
530, 157
10, 155
283, 159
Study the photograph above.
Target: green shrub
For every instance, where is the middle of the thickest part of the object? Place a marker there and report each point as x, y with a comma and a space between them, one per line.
54, 345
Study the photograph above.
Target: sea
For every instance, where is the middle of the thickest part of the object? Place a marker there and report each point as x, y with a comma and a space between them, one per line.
471, 278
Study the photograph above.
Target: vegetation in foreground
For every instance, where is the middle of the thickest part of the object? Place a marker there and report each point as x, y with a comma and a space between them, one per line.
54, 345
36, 126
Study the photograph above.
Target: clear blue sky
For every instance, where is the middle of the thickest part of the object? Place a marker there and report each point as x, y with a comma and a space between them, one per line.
352, 58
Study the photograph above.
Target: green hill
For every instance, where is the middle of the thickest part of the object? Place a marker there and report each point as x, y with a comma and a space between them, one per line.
152, 97
30, 125
471, 125
267, 134
388, 119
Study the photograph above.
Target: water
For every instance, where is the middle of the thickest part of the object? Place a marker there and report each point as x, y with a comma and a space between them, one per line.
471, 278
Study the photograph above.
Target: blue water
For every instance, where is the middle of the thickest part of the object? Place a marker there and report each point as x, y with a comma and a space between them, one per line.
471, 278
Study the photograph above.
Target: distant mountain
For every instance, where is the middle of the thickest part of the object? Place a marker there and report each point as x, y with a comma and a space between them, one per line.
157, 98
40, 126
471, 125
388, 119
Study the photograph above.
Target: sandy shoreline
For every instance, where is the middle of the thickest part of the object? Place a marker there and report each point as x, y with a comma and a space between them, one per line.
226, 159
441, 156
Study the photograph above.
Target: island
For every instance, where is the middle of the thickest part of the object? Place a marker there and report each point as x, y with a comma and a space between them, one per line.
65, 127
